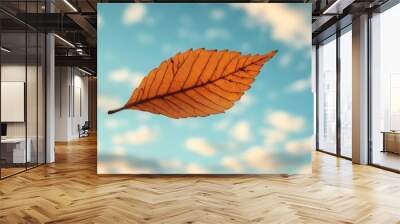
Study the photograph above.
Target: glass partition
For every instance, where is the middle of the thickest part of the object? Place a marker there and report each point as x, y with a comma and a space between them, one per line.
41, 96
31, 99
327, 96
14, 155
23, 91
385, 89
346, 93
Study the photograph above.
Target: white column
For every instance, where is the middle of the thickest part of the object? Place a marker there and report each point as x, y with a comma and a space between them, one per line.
50, 92
50, 100
360, 90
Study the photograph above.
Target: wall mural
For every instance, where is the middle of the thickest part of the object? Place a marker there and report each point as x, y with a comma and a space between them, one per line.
198, 88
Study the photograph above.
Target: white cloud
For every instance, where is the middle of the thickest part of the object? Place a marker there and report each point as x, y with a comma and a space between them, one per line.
150, 20
217, 33
184, 32
288, 24
189, 33
241, 131
301, 66
299, 85
191, 123
249, 23
134, 13
222, 125
260, 158
273, 136
119, 151
169, 49
272, 95
108, 103
142, 135
285, 121
142, 117
112, 123
172, 164
193, 168
121, 167
217, 14
232, 163
103, 168
124, 75
145, 38
100, 21
186, 20
200, 146
299, 146
245, 101
285, 60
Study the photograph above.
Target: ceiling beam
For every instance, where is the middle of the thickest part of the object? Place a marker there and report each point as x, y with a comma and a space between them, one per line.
79, 61
84, 24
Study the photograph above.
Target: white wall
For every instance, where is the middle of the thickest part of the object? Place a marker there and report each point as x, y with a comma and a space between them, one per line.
81, 89
70, 84
62, 80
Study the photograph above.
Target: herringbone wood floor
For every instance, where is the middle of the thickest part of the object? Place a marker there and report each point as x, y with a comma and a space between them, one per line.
69, 191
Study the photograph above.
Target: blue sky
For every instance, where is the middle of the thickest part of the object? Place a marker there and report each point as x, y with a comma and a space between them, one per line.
268, 131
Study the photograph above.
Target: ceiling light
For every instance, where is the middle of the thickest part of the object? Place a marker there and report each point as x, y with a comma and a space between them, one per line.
333, 6
84, 71
5, 50
79, 51
70, 5
338, 6
65, 41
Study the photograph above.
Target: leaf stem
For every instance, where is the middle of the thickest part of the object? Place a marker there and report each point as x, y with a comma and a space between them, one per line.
116, 110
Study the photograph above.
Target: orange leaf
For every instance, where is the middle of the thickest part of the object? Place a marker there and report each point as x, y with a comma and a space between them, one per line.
196, 83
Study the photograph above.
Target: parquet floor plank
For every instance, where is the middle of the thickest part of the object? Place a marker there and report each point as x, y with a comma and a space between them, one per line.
70, 191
